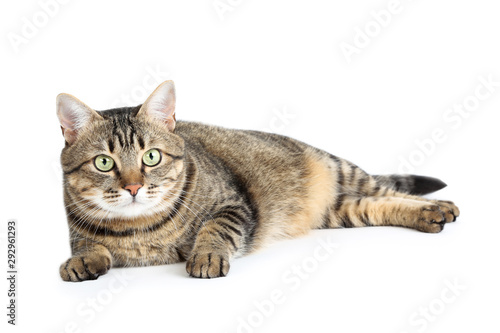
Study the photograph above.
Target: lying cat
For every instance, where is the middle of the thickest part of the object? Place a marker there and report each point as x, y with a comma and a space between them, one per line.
141, 188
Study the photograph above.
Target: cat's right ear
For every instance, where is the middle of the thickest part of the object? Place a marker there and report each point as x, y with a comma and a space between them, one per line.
73, 115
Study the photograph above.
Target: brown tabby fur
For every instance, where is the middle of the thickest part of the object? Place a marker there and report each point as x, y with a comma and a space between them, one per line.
221, 193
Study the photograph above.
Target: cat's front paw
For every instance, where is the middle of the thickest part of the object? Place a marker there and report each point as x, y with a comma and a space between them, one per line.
85, 267
207, 265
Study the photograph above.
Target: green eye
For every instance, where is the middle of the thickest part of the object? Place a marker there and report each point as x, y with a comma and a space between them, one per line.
104, 163
152, 157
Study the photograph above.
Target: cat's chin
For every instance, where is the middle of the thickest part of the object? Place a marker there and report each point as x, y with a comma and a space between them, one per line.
133, 209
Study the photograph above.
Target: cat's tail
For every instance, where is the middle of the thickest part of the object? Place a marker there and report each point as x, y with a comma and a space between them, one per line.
411, 184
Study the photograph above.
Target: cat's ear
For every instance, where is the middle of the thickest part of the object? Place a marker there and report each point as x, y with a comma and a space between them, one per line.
73, 115
160, 105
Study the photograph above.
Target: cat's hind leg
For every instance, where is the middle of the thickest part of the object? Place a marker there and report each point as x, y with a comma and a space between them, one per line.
448, 207
422, 215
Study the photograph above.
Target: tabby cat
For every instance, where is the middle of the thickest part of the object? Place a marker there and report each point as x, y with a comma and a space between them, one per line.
141, 188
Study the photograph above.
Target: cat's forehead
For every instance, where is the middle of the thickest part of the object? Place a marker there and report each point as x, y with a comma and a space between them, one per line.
123, 131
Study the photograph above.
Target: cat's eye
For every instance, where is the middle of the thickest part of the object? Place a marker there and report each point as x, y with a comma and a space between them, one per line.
104, 163
152, 157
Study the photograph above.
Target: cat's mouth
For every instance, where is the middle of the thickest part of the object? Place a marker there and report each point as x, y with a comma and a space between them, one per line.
127, 206
131, 207
134, 202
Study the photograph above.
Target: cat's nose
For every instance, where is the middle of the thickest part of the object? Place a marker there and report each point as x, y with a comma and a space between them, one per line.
133, 188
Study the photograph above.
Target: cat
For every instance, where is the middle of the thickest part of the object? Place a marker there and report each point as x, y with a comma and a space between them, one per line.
141, 188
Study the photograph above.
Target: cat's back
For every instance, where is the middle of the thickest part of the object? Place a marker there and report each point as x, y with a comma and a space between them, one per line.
288, 180
234, 143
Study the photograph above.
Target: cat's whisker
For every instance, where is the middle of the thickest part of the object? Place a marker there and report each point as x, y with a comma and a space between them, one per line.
80, 208
76, 202
197, 216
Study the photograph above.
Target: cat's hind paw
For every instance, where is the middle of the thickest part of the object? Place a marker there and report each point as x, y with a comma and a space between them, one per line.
450, 210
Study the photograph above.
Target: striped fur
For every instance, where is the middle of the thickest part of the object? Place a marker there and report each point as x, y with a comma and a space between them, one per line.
217, 193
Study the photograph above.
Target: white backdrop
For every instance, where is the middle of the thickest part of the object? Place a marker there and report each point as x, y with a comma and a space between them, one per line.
408, 86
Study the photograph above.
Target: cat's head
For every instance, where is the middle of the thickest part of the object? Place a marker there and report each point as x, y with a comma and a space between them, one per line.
121, 163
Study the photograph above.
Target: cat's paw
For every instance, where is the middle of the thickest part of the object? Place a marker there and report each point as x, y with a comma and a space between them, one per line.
450, 210
431, 218
207, 265
84, 267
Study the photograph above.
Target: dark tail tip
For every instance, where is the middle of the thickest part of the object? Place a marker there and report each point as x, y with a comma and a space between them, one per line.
424, 185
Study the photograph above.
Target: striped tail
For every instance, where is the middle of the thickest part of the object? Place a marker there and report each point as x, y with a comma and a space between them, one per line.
411, 184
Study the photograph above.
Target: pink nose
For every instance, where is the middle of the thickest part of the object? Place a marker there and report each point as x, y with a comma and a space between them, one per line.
133, 188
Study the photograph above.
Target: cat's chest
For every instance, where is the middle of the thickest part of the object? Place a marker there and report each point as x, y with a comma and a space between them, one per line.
138, 251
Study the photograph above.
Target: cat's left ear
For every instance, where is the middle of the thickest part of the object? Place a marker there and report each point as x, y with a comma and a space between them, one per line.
73, 115
160, 105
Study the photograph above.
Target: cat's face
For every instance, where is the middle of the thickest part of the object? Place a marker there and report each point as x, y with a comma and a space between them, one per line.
122, 163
